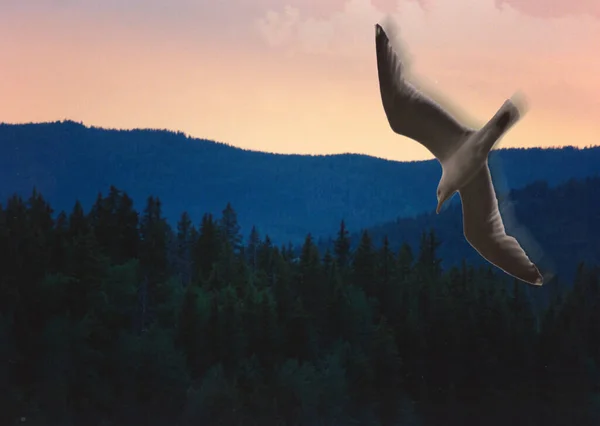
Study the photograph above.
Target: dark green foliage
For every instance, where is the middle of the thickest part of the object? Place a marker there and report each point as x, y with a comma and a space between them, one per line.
107, 320
342, 246
206, 249
230, 229
185, 240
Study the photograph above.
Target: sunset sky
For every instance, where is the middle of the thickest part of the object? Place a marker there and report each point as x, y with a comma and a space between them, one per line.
298, 76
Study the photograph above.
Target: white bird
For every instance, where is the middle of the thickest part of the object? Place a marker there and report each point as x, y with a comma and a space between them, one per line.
463, 154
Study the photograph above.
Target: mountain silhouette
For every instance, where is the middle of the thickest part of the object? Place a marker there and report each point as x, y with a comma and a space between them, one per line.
285, 196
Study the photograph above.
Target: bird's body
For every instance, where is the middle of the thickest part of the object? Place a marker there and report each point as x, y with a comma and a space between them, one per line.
472, 152
462, 153
459, 169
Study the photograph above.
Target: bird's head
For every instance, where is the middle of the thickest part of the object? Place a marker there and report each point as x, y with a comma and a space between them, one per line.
442, 195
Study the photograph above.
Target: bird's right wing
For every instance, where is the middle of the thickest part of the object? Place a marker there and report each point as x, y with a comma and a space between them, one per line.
410, 112
484, 230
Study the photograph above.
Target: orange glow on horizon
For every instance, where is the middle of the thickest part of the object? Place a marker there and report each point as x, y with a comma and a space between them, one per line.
286, 100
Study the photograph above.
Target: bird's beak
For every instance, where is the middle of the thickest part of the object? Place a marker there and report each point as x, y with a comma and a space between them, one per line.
439, 207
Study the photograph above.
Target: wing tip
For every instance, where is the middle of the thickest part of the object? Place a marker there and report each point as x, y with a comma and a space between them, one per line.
388, 22
519, 100
540, 279
536, 282
381, 38
548, 276
387, 31
382, 41
388, 43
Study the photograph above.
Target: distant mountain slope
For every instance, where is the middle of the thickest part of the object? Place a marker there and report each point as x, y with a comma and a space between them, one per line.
286, 196
564, 221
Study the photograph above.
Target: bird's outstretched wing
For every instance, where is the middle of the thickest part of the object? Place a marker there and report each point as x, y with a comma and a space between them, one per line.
410, 112
484, 230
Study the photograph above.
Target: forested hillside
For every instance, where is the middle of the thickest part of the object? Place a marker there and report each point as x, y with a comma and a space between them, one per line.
559, 227
110, 317
286, 196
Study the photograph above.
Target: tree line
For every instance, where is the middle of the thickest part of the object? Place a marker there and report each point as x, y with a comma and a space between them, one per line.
113, 317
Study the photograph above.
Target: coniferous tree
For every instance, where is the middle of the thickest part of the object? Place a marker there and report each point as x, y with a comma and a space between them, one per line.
327, 260
388, 291
185, 242
428, 264
6, 298
230, 229
386, 267
265, 255
310, 278
40, 230
78, 222
364, 265
342, 246
58, 260
265, 334
207, 248
405, 263
253, 245
126, 224
593, 320
153, 258
100, 220
192, 333
15, 253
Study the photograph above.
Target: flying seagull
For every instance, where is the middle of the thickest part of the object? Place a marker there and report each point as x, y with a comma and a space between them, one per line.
463, 154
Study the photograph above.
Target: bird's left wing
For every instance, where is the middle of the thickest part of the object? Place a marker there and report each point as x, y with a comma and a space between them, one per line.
484, 230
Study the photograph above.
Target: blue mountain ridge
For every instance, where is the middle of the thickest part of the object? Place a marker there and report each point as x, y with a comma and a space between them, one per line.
285, 196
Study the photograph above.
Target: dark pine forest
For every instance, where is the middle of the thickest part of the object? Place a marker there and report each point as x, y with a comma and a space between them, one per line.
112, 317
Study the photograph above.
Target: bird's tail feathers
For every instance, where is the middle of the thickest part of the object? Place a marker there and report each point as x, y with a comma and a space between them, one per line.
519, 100
511, 111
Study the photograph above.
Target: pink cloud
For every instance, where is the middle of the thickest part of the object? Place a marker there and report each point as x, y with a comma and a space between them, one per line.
339, 27
321, 9
316, 8
553, 8
389, 6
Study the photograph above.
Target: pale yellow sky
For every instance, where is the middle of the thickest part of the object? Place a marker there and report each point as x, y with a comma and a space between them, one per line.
298, 77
